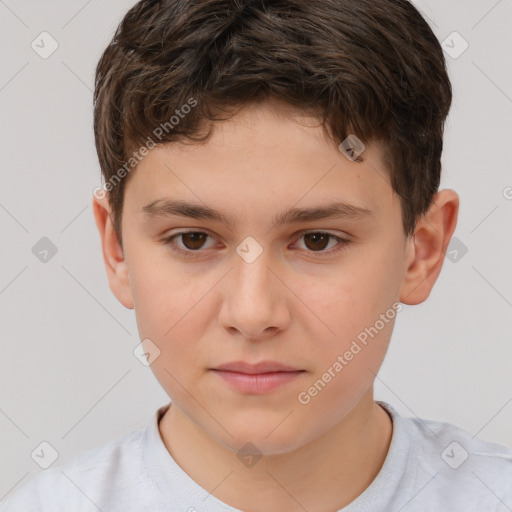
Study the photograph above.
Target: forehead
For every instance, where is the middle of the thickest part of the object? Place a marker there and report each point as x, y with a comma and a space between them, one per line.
263, 159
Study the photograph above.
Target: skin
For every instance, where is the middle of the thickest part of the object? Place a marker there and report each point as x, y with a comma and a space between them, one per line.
298, 303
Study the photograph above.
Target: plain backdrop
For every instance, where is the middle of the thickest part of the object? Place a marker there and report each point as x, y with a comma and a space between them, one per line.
68, 375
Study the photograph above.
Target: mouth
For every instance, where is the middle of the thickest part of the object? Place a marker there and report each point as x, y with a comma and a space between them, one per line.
257, 378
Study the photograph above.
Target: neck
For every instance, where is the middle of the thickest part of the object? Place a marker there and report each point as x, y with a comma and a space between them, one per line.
350, 454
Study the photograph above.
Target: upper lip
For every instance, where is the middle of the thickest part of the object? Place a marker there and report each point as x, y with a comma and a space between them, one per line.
253, 369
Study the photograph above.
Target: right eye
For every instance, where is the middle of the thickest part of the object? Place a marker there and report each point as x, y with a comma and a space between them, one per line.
191, 240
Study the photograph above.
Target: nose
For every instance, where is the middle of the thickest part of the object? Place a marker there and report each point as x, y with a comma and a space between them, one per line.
255, 299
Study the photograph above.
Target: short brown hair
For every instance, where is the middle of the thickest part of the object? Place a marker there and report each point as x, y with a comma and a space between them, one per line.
372, 68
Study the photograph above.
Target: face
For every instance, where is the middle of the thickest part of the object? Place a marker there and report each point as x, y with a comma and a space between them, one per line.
255, 284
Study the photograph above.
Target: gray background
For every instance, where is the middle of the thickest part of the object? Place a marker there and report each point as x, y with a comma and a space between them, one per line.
68, 375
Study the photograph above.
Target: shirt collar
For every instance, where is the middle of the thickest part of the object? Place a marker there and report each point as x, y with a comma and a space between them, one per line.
173, 485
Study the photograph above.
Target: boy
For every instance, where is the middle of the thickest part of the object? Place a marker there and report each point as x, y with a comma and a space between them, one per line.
271, 199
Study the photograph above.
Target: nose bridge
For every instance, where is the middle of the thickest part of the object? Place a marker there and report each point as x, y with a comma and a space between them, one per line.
252, 275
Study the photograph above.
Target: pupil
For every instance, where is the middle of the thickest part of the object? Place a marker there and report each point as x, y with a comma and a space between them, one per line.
315, 237
197, 237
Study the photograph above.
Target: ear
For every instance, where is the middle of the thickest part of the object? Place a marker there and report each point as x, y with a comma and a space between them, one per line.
427, 247
113, 256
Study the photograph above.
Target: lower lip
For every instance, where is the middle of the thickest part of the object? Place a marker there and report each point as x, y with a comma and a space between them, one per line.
257, 383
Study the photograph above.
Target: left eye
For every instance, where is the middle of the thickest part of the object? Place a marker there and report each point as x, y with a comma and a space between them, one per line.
193, 241
319, 240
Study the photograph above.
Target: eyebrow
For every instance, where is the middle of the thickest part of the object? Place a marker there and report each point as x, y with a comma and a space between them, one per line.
174, 207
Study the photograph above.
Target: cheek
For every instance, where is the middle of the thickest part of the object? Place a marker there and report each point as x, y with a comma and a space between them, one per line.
340, 307
173, 307
352, 315
163, 293
170, 312
347, 363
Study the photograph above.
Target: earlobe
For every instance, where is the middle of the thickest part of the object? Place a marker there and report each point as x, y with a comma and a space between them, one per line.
427, 248
113, 255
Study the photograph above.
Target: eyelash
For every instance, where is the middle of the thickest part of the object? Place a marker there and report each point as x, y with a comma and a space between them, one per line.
169, 241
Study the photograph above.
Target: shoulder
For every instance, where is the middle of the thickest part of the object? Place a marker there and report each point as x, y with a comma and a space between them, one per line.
85, 482
455, 466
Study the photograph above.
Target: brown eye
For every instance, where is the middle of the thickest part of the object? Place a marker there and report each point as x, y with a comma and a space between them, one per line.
322, 243
187, 243
192, 243
193, 240
317, 241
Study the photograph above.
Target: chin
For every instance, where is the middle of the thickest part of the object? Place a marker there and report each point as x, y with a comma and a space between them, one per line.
264, 440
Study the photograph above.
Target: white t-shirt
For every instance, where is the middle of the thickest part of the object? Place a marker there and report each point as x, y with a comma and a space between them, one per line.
430, 466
